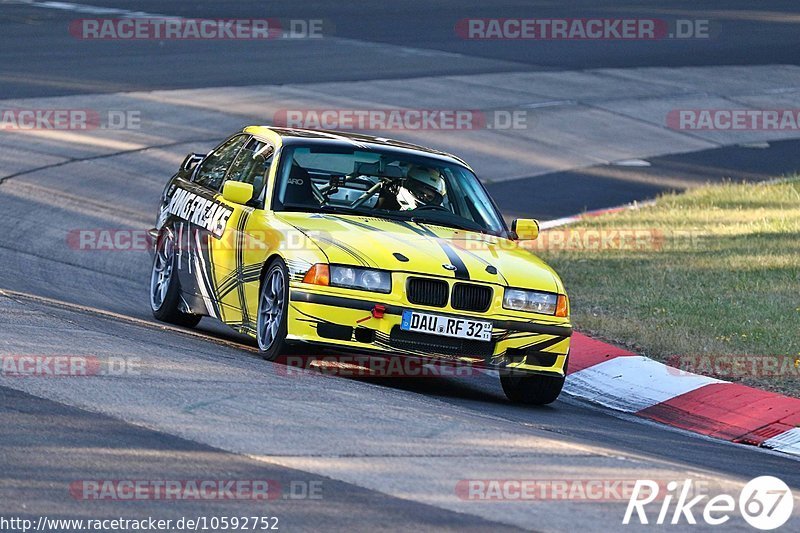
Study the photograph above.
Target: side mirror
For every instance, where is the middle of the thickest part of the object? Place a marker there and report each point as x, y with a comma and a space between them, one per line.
526, 229
237, 192
191, 161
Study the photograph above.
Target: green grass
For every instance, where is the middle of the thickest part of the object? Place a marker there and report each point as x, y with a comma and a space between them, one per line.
721, 278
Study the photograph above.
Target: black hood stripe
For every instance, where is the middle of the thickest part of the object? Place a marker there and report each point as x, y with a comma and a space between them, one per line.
461, 272
428, 234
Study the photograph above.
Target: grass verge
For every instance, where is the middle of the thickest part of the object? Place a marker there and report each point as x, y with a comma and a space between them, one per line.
707, 280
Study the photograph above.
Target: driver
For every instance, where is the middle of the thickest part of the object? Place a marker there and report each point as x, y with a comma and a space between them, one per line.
423, 186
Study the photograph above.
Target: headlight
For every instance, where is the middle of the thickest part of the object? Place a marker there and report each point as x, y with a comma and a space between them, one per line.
361, 278
545, 303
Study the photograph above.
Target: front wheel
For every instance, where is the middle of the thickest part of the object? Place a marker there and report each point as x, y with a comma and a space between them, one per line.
164, 289
531, 389
273, 310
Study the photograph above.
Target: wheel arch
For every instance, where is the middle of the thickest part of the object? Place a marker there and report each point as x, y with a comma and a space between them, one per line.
267, 262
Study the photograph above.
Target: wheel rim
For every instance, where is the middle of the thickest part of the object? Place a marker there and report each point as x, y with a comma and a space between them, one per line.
162, 272
270, 309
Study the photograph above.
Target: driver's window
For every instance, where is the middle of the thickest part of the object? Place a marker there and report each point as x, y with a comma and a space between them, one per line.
252, 165
212, 170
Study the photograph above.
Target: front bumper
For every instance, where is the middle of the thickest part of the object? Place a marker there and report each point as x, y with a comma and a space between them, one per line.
348, 322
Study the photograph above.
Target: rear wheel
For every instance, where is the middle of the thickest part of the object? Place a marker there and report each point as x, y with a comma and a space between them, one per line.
164, 288
531, 389
273, 310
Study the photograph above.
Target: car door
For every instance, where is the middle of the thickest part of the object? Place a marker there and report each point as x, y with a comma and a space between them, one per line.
236, 258
199, 219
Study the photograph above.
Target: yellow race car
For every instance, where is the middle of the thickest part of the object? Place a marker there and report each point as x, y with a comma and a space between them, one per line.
358, 243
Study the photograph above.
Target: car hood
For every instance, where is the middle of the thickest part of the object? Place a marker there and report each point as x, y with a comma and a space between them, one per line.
424, 249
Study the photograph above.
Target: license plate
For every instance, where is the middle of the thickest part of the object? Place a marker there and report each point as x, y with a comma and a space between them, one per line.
460, 328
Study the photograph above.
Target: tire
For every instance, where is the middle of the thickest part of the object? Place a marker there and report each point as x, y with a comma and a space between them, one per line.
164, 286
273, 310
531, 389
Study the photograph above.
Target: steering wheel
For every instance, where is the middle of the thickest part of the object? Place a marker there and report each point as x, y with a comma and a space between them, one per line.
431, 208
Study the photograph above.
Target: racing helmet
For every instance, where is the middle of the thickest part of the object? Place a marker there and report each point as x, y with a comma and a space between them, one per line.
426, 185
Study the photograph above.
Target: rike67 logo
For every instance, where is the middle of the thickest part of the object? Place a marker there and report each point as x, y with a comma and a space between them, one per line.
766, 503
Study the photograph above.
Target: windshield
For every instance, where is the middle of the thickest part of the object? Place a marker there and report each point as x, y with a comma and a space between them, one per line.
384, 184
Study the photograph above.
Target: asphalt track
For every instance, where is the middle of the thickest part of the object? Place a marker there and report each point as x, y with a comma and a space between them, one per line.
744, 34
389, 452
